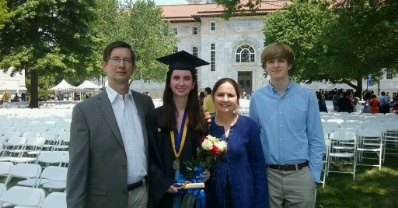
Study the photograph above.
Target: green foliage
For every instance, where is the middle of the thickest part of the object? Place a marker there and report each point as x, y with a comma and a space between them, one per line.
4, 16
340, 43
237, 7
141, 25
49, 37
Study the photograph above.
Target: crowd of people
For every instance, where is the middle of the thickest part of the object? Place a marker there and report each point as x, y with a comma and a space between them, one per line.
350, 101
125, 153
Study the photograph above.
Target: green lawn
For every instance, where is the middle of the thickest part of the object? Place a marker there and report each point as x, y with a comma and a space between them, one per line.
371, 189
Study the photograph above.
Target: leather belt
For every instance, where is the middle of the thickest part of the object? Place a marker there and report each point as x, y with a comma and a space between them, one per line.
289, 167
133, 186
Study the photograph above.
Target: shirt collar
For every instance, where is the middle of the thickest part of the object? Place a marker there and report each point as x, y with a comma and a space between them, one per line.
112, 94
287, 88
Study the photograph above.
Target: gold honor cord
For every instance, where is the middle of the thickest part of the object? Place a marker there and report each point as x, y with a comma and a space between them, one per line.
176, 162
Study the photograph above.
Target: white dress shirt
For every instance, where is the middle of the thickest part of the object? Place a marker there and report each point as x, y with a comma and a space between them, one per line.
130, 128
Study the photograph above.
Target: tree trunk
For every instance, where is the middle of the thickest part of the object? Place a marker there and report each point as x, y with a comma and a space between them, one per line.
34, 89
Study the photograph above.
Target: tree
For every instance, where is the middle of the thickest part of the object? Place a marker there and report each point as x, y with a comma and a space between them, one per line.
234, 7
49, 37
4, 16
340, 43
141, 25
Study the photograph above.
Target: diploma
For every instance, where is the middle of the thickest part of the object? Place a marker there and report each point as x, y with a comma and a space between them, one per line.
193, 185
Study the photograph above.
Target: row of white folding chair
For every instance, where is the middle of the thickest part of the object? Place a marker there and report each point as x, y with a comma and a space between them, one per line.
20, 196
46, 158
51, 177
18, 147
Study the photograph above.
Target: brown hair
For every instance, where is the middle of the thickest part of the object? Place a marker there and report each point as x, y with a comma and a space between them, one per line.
117, 44
277, 50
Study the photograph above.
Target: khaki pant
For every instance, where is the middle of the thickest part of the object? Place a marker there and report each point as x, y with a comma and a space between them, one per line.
289, 189
138, 198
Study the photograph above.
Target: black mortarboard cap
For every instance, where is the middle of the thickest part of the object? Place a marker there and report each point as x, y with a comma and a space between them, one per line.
182, 60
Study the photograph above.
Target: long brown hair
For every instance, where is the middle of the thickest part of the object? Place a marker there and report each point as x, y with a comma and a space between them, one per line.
195, 116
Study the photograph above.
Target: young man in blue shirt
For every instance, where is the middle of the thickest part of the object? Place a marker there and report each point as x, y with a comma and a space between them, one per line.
290, 131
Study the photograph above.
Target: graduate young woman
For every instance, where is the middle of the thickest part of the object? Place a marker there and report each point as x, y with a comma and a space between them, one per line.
174, 130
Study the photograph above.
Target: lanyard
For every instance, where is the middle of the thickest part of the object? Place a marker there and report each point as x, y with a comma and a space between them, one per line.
178, 138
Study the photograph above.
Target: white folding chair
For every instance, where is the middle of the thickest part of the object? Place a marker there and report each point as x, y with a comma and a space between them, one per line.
20, 196
12, 148
25, 171
343, 146
50, 157
370, 141
31, 151
55, 176
5, 168
55, 199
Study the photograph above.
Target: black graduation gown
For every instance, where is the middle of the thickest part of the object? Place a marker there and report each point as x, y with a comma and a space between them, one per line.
161, 156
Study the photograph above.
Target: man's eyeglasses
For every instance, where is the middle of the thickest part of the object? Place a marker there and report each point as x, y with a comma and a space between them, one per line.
117, 60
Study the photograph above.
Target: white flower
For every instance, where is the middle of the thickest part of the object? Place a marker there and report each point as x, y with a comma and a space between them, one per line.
212, 139
207, 145
222, 146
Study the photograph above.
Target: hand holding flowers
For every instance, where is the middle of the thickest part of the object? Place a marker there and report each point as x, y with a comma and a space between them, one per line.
210, 149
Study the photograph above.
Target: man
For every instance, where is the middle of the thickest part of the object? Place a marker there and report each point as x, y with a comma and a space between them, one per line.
108, 145
384, 103
290, 131
208, 105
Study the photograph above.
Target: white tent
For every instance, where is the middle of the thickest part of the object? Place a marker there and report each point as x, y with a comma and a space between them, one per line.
87, 85
64, 86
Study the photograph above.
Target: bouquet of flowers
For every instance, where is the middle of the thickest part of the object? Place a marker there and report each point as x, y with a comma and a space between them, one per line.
206, 154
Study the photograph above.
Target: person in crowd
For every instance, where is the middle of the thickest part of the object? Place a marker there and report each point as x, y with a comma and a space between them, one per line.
344, 104
108, 145
290, 131
336, 99
321, 103
201, 98
174, 129
239, 178
374, 104
208, 105
357, 103
384, 103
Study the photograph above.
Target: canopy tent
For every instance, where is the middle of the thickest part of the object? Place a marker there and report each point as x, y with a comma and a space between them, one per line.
87, 86
64, 86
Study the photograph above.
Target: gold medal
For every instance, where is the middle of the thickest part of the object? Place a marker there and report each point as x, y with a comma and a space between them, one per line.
176, 164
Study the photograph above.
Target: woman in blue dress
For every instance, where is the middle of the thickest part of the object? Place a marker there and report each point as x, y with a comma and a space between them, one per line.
239, 178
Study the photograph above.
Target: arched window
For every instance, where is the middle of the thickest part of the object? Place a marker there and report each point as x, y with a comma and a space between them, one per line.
245, 53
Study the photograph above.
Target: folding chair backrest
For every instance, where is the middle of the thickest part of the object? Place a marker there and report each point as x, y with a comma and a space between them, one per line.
55, 199
24, 170
23, 196
55, 173
5, 168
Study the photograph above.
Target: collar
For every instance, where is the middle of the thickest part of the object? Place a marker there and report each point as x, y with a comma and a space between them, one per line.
285, 90
113, 95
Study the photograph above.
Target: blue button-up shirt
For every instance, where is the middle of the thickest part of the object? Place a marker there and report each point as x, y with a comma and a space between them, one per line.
290, 126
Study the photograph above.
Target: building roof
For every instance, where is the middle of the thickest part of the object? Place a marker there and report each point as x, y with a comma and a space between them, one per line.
193, 12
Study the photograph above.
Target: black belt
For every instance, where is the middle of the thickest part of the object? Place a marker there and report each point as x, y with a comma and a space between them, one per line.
289, 167
133, 186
